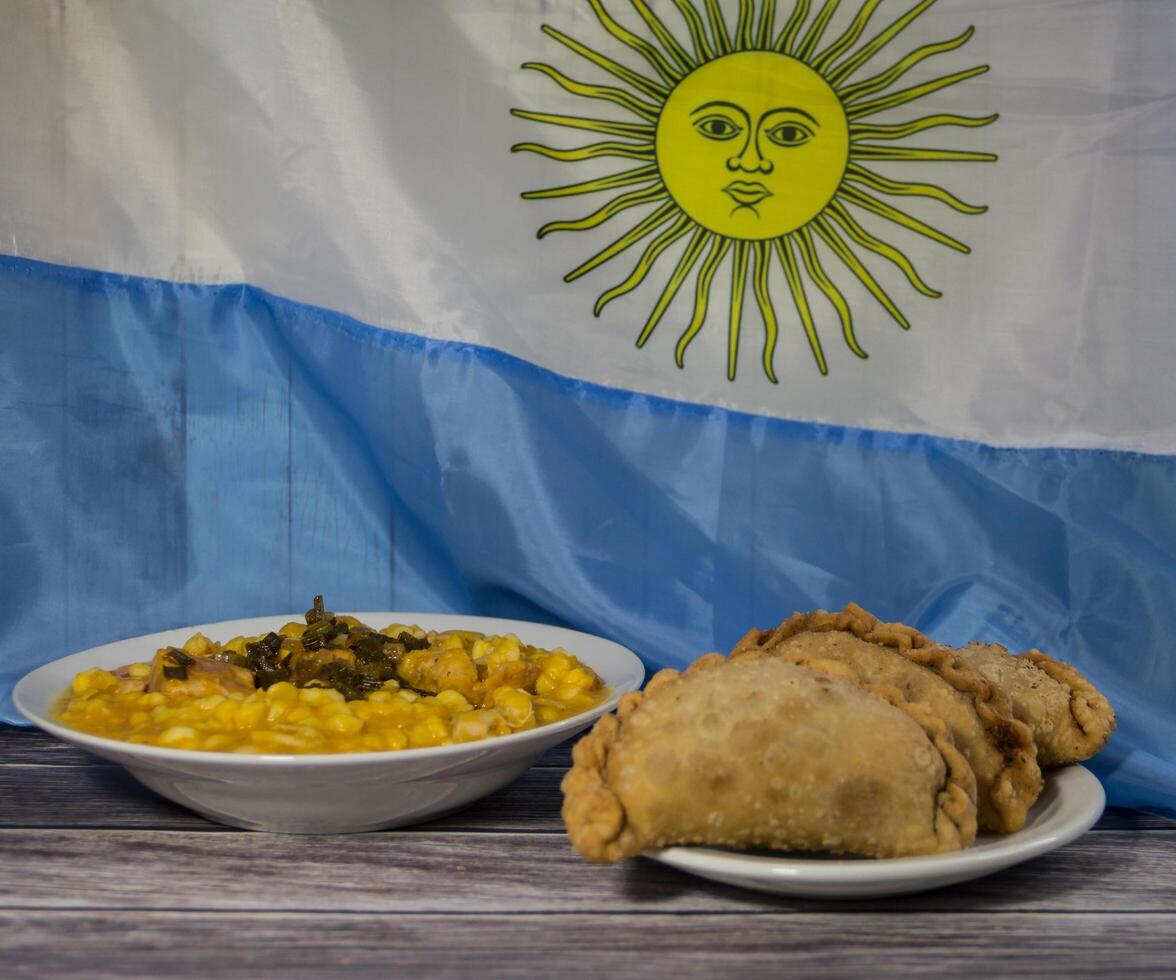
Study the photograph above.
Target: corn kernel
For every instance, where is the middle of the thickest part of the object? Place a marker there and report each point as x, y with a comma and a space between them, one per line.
343, 724
476, 725
250, 715
281, 691
514, 706
568, 692
452, 700
556, 665
279, 711
580, 677
198, 645
178, 734
394, 738
94, 680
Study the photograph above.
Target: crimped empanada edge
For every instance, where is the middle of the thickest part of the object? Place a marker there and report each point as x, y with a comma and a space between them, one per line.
593, 814
1090, 709
1019, 782
955, 804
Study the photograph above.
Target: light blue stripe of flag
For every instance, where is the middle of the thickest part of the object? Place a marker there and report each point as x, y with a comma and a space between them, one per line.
176, 454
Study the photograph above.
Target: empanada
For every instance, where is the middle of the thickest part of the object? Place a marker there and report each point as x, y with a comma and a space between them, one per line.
1070, 718
761, 753
999, 748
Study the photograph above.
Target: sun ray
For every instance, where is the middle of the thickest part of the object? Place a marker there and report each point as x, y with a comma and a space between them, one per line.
866, 240
631, 237
674, 283
612, 208
791, 28
702, 47
898, 131
631, 151
647, 51
738, 288
626, 177
663, 34
763, 297
606, 93
645, 263
767, 24
870, 203
862, 151
706, 274
859, 174
605, 126
859, 110
718, 25
842, 251
852, 63
816, 30
796, 286
885, 79
848, 39
744, 28
812, 263
627, 75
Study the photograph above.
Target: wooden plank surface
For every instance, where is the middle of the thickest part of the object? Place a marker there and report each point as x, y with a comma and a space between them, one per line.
102, 878
431, 871
108, 796
408, 944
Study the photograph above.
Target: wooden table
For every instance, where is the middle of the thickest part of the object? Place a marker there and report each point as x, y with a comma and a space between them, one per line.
101, 878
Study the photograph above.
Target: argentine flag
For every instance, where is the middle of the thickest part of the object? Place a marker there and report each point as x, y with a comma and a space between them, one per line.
660, 319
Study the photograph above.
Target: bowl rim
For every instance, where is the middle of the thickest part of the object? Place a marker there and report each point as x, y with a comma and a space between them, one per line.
161, 753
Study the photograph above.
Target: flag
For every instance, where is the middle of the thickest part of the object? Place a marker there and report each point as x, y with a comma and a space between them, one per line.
660, 320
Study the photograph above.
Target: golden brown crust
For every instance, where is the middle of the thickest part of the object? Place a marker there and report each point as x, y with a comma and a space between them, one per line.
1018, 783
1091, 711
598, 824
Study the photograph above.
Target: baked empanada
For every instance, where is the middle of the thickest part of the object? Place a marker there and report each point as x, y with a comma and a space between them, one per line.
1070, 718
999, 748
761, 753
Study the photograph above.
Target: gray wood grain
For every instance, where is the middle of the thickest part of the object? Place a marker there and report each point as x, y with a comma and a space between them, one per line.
571, 946
495, 891
109, 797
441, 872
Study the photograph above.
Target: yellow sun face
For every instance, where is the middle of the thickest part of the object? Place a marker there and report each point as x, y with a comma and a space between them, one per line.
752, 145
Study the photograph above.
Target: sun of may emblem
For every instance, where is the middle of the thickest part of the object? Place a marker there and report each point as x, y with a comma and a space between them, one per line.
756, 144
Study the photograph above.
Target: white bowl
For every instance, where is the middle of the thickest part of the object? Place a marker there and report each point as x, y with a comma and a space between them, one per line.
330, 794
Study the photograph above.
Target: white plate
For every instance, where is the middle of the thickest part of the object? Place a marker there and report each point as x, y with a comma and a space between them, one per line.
1070, 804
330, 794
